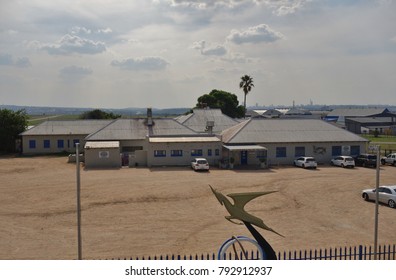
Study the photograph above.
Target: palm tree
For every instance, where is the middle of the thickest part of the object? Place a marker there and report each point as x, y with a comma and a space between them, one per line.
246, 84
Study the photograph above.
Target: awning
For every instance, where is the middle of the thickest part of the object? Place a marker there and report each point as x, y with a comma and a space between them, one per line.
245, 148
183, 139
102, 145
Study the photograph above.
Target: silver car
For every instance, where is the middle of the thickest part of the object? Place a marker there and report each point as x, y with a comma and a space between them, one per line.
386, 194
343, 161
305, 162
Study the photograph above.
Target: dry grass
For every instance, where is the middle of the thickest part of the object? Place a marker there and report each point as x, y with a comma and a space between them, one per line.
146, 212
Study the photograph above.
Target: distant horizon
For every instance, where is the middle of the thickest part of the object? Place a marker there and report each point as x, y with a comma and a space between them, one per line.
186, 107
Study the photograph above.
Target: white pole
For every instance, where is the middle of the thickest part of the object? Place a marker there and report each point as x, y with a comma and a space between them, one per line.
376, 203
78, 202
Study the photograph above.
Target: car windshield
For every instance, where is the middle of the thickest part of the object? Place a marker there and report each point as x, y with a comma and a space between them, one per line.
310, 159
201, 161
348, 159
372, 157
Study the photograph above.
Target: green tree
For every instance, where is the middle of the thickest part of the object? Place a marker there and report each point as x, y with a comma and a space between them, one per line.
11, 125
98, 115
226, 101
246, 84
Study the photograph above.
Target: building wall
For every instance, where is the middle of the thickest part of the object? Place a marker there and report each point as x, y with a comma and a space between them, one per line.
102, 158
47, 144
161, 153
284, 154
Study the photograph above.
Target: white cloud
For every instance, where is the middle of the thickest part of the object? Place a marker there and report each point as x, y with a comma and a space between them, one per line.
212, 50
149, 63
75, 73
70, 44
257, 34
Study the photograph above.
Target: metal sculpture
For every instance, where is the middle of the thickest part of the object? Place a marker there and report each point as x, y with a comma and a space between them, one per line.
237, 212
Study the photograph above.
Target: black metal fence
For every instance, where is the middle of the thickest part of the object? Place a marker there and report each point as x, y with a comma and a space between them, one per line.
384, 252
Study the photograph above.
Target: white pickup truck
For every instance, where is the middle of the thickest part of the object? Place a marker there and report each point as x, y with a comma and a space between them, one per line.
389, 159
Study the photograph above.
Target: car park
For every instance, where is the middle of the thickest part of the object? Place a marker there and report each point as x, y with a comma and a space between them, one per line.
305, 162
389, 159
366, 160
199, 164
343, 161
386, 194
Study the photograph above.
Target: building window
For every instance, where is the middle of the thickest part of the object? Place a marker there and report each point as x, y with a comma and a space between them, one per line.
355, 150
261, 154
299, 151
196, 152
280, 152
47, 144
217, 152
176, 153
209, 152
336, 151
75, 141
32, 144
160, 153
61, 144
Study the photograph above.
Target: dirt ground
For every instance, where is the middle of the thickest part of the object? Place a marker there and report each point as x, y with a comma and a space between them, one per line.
136, 212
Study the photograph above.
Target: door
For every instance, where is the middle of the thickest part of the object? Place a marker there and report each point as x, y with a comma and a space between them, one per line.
244, 157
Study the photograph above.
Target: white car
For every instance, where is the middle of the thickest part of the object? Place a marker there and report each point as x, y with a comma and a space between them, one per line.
199, 164
343, 161
386, 194
305, 162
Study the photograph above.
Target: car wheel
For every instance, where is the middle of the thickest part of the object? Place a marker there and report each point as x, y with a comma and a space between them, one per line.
383, 162
364, 164
391, 203
303, 166
365, 196
331, 163
342, 165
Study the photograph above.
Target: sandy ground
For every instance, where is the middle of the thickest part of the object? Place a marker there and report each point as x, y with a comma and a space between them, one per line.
158, 211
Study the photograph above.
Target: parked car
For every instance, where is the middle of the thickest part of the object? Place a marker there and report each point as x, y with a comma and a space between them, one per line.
386, 194
343, 161
199, 164
366, 160
305, 162
389, 159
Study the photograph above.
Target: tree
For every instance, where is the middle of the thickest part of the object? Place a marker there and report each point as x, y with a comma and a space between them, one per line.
11, 125
227, 102
98, 115
246, 84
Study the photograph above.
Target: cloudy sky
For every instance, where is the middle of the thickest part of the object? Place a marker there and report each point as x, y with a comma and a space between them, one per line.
167, 53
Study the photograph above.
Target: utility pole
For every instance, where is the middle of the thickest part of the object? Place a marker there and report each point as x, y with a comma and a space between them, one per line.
78, 202
377, 149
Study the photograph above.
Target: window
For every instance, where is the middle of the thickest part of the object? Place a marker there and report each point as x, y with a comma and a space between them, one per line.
217, 152
160, 153
176, 153
336, 150
75, 141
280, 152
47, 144
32, 144
355, 150
196, 152
61, 144
209, 152
260, 154
299, 151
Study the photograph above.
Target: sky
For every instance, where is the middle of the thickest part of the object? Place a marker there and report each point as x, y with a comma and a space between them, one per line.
167, 53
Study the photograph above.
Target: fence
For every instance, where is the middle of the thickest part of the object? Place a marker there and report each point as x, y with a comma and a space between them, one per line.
385, 252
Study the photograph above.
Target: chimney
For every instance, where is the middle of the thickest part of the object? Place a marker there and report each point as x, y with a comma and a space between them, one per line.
149, 117
209, 127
